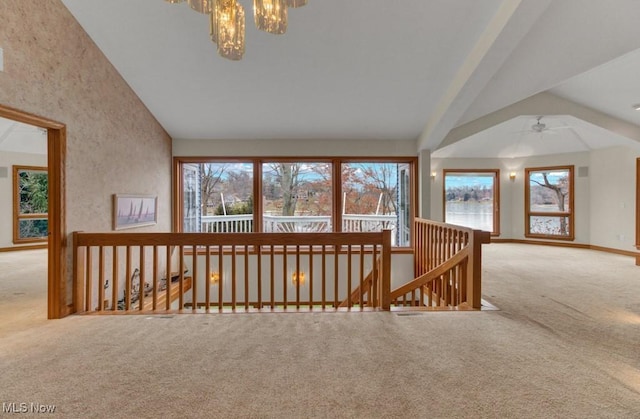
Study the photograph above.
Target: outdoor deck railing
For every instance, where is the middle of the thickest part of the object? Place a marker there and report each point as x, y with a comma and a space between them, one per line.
202, 272
447, 266
243, 223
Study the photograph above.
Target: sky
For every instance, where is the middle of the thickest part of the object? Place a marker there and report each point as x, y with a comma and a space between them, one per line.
456, 181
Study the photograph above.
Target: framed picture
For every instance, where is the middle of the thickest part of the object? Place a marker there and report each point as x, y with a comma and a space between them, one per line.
131, 211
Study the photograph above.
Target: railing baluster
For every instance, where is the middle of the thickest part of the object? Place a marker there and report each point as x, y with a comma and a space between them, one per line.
194, 278
324, 277
259, 269
181, 279
89, 283
284, 275
233, 277
336, 273
298, 276
142, 279
221, 277
208, 279
154, 294
349, 268
168, 280
115, 275
361, 285
246, 277
128, 284
272, 276
311, 254
101, 279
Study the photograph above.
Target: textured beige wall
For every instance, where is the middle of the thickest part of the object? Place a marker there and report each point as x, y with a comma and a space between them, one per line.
114, 145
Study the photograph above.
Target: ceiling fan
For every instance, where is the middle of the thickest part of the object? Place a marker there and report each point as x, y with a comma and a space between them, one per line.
540, 127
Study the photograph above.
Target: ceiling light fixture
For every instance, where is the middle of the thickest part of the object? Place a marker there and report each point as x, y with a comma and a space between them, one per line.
227, 21
636, 106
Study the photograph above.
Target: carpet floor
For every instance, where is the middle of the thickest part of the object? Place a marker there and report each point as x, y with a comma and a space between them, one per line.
564, 342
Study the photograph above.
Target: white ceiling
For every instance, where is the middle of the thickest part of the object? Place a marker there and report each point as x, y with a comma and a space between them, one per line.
375, 69
17, 137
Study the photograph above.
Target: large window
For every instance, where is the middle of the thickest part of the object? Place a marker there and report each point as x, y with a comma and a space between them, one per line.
549, 202
375, 196
471, 199
297, 195
31, 200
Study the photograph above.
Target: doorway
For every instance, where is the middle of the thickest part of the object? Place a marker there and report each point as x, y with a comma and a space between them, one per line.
57, 306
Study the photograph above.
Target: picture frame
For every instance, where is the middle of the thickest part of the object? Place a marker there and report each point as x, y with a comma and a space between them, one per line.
130, 211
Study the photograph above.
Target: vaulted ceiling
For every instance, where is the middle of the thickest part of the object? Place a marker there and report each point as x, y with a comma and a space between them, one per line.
374, 69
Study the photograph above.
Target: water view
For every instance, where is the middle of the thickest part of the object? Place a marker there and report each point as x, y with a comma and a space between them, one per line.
473, 214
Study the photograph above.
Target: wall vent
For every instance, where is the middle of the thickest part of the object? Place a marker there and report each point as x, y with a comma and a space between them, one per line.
583, 171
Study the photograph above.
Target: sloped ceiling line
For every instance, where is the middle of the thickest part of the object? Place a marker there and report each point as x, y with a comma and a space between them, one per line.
543, 104
510, 24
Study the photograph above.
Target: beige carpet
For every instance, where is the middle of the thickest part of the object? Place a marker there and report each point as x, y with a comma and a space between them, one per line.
565, 343
23, 290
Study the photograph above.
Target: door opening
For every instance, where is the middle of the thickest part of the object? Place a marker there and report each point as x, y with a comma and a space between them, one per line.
57, 306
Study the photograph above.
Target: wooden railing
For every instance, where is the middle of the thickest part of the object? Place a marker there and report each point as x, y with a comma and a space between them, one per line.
447, 266
127, 272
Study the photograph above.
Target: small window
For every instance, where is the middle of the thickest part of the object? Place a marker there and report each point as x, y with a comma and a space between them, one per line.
549, 203
471, 199
31, 197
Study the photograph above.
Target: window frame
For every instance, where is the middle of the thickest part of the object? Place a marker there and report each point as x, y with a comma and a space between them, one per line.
336, 183
17, 216
569, 214
496, 194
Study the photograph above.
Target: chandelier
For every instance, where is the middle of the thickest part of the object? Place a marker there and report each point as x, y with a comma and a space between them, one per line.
227, 21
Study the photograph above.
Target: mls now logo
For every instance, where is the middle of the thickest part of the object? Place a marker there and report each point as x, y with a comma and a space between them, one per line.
27, 408
15, 407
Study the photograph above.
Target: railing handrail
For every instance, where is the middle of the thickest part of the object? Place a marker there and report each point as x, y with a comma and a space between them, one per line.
238, 239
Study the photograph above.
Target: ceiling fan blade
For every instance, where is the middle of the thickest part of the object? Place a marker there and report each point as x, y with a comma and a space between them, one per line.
562, 127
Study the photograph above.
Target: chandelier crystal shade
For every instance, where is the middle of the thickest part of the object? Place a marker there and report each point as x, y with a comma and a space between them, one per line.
270, 16
227, 21
229, 29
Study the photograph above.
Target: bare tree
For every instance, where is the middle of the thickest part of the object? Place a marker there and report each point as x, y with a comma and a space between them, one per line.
210, 177
561, 191
288, 174
381, 179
